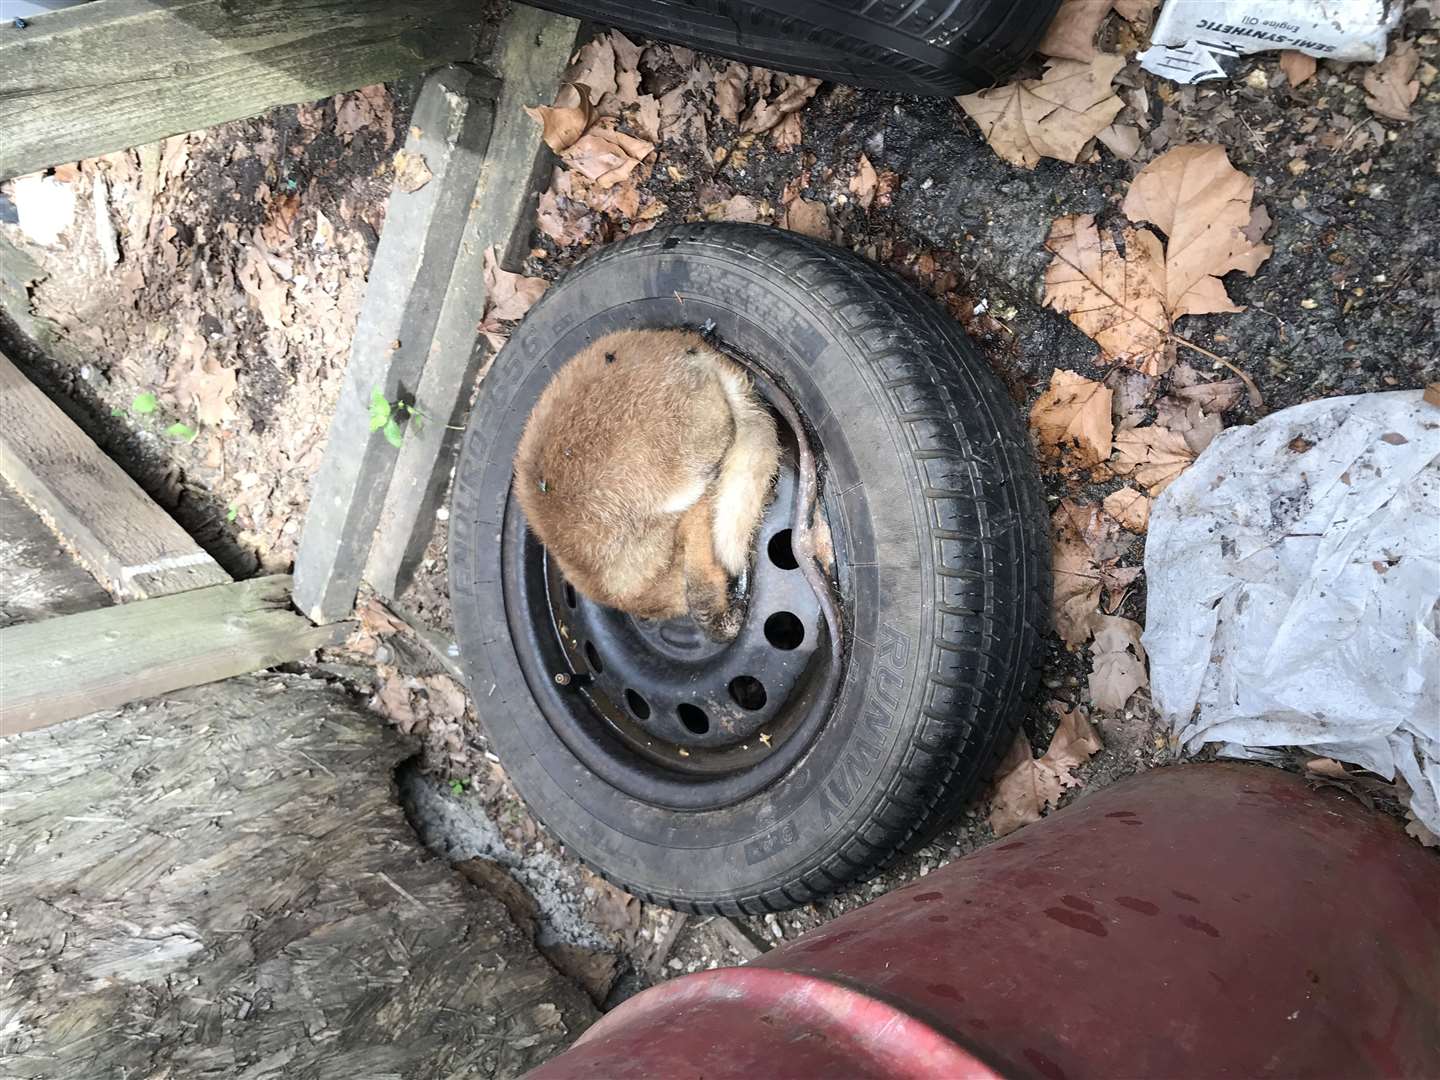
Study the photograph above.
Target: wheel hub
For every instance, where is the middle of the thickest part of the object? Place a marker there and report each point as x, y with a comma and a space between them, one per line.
679, 687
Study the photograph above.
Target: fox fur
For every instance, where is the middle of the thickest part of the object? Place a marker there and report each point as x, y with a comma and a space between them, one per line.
644, 469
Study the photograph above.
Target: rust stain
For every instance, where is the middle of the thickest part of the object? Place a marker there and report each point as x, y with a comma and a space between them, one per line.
1076, 921
1199, 924
1144, 907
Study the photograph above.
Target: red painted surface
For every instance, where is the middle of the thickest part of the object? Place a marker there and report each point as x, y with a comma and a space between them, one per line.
1200, 921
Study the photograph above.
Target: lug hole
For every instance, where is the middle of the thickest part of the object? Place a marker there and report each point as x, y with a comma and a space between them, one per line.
784, 630
781, 553
693, 717
748, 692
638, 705
593, 658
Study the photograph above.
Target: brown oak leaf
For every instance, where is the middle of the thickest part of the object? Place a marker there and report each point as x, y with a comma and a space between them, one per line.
564, 122
1053, 116
1130, 508
1084, 544
606, 156
508, 295
1299, 67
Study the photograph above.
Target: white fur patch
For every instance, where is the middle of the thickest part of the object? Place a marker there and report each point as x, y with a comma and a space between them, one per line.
684, 499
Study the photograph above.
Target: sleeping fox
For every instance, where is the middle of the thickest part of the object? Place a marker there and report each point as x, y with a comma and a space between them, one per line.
644, 469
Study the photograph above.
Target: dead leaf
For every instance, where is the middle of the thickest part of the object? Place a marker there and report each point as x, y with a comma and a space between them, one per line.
788, 134
1071, 420
808, 217
1132, 391
1154, 455
1054, 116
612, 909
1122, 140
1083, 543
1217, 396
1431, 396
795, 91
508, 296
1392, 85
369, 107
1188, 419
606, 156
1130, 508
1299, 67
411, 172
594, 68
565, 221
1327, 767
1118, 300
735, 208
445, 696
864, 182
209, 388
730, 87
1202, 204
1417, 829
565, 121
1071, 34
392, 699
1117, 662
1026, 786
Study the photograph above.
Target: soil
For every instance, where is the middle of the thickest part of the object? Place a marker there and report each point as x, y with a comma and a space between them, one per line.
1347, 303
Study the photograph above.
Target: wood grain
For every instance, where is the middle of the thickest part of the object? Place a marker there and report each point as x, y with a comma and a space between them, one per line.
113, 74
116, 531
73, 665
224, 884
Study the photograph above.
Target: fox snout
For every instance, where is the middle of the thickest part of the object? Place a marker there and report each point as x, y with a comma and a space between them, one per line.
644, 469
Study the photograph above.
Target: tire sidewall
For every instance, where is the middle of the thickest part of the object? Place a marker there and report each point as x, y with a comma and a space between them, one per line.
878, 516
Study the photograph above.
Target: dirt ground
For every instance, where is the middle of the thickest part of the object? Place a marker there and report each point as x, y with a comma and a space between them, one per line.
231, 291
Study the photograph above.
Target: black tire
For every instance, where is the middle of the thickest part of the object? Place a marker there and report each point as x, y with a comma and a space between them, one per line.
932, 48
940, 527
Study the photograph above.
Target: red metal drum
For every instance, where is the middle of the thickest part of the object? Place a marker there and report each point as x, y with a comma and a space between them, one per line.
1218, 920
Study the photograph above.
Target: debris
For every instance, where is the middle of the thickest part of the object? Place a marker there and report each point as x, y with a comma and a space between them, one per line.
1154, 455
864, 182
1127, 303
509, 296
1202, 204
1299, 68
1117, 662
363, 109
1071, 34
1294, 575
1391, 85
1071, 420
1026, 786
1211, 29
808, 217
1053, 116
45, 206
1130, 508
1189, 420
730, 86
564, 122
594, 67
735, 208
1084, 547
105, 235
606, 156
411, 171
794, 92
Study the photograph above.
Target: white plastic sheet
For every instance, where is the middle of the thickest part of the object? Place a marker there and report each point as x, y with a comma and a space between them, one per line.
1294, 590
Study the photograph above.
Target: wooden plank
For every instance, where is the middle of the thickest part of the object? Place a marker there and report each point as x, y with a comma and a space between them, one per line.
74, 665
530, 56
116, 531
39, 579
450, 129
113, 74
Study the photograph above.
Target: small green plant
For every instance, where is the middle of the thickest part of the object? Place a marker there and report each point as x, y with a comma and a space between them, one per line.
145, 403
457, 788
385, 415
180, 430
232, 512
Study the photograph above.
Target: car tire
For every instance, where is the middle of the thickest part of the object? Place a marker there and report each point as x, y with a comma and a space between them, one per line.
930, 48
941, 568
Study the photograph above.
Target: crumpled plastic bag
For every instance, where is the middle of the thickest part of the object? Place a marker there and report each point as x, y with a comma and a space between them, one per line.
1294, 590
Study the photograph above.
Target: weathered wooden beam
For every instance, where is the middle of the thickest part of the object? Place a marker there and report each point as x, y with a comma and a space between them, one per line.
73, 665
116, 531
530, 56
113, 74
449, 132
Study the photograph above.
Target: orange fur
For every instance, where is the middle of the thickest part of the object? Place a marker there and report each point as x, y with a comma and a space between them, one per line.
644, 469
